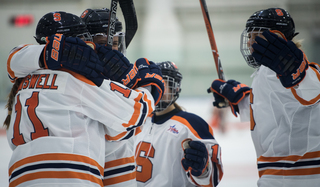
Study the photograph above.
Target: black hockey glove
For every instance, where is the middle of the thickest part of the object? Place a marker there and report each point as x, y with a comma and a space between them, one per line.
73, 54
281, 56
150, 75
195, 157
117, 67
231, 90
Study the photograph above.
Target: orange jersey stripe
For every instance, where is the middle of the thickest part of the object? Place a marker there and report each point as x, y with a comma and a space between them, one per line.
137, 131
55, 174
136, 113
209, 185
9, 70
118, 162
55, 156
295, 158
220, 174
148, 101
119, 179
252, 121
282, 172
78, 76
118, 137
187, 124
305, 102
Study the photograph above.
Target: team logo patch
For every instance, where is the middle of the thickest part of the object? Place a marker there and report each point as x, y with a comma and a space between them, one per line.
174, 129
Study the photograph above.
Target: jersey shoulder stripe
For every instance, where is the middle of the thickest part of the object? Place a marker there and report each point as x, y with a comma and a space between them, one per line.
314, 100
78, 76
195, 123
11, 74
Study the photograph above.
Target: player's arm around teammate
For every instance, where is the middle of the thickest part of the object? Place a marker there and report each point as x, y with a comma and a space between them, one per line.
90, 113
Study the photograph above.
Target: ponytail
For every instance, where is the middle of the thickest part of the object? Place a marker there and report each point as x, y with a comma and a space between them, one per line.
10, 101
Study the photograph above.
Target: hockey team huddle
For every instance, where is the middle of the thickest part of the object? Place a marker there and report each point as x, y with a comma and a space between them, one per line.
81, 114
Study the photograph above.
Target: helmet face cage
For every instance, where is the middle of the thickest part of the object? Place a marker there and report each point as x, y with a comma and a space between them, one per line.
97, 21
79, 31
170, 95
86, 36
172, 78
247, 39
121, 42
117, 44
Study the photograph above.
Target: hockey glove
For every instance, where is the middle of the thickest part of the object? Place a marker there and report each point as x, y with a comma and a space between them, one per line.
73, 54
195, 157
117, 67
281, 56
150, 75
231, 90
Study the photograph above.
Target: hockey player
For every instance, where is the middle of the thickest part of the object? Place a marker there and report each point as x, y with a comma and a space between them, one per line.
119, 165
176, 148
282, 103
95, 71
62, 119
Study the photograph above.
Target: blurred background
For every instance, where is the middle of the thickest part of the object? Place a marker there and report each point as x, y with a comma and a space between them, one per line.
174, 30
170, 30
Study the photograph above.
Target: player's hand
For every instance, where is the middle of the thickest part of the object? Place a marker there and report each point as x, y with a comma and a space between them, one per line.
117, 67
231, 90
73, 54
281, 56
195, 157
219, 101
150, 75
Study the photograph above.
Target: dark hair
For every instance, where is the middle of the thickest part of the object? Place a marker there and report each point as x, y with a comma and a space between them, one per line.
10, 101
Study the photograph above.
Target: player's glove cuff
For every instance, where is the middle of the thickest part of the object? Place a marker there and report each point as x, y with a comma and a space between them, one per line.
292, 79
52, 52
150, 75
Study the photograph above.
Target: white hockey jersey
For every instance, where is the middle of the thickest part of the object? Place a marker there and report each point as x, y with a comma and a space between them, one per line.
119, 167
159, 152
285, 129
64, 123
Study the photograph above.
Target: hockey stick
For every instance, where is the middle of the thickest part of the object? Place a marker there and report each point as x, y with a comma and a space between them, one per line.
130, 17
213, 44
112, 22
212, 39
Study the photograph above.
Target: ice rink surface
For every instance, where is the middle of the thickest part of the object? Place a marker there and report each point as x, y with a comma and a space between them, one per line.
238, 154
